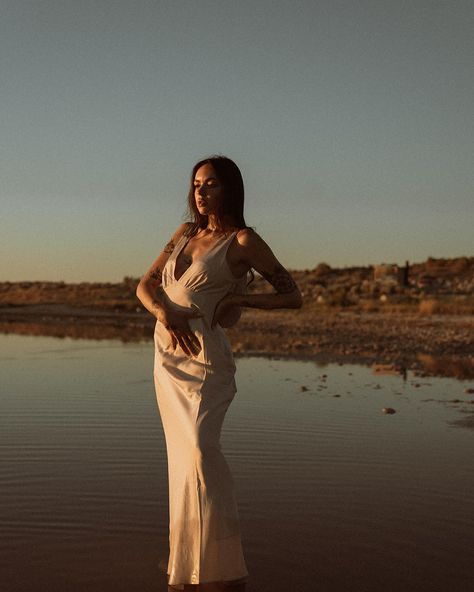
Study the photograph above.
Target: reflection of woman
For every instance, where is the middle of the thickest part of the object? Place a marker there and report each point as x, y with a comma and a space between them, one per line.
202, 272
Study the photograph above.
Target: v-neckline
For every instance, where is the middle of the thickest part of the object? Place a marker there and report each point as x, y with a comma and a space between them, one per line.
196, 259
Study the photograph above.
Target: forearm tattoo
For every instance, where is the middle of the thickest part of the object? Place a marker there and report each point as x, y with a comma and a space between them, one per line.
280, 279
169, 247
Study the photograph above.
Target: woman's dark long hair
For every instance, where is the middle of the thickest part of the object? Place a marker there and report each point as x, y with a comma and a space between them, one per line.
231, 211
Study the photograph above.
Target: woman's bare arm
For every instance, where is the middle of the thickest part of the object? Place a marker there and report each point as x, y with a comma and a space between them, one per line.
151, 295
256, 254
149, 290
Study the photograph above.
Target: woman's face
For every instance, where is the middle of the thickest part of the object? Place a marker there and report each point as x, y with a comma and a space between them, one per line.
208, 191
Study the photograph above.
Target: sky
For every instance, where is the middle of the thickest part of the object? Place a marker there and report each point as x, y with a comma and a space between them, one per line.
352, 123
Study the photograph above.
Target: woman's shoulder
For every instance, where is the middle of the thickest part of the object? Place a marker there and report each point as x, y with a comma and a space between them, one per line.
184, 229
248, 237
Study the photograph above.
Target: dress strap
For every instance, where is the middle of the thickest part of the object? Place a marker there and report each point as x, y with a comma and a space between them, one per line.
220, 250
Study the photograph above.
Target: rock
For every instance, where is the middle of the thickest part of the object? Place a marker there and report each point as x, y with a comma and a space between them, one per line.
303, 388
388, 410
469, 391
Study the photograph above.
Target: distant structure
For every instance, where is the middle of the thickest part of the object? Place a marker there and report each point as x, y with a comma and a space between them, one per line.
405, 275
391, 273
386, 272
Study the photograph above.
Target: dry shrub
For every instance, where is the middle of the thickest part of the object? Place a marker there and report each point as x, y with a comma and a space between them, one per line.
366, 305
447, 305
428, 306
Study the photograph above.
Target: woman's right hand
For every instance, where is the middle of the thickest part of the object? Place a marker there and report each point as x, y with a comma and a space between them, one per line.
177, 325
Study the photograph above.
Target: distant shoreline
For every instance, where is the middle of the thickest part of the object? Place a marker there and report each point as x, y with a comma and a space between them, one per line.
418, 317
429, 345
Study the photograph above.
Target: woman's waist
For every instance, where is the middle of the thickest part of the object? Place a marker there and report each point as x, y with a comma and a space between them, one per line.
181, 298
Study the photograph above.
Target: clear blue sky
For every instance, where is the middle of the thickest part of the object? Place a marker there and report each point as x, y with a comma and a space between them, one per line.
352, 123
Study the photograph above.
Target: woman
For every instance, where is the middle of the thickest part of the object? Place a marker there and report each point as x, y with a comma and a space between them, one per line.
194, 288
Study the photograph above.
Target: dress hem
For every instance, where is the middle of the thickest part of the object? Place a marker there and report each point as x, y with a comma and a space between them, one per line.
234, 581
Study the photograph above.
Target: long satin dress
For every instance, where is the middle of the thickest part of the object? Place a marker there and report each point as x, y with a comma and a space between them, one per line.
193, 395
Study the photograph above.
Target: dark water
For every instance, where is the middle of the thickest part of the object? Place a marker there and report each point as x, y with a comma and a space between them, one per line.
333, 494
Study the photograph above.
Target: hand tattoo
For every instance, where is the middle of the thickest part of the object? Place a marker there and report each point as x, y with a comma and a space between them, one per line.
169, 247
281, 280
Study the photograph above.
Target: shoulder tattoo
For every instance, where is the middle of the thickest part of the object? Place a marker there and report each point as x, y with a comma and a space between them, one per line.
280, 279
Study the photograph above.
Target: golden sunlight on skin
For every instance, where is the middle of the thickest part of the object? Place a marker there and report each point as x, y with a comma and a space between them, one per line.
207, 193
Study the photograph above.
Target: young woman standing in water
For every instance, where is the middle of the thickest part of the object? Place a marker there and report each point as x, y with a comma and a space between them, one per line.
195, 287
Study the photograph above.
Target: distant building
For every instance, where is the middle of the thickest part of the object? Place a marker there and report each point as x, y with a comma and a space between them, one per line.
391, 273
386, 273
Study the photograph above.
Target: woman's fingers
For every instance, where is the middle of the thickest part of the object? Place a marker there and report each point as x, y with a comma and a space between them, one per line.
174, 341
193, 343
181, 333
188, 341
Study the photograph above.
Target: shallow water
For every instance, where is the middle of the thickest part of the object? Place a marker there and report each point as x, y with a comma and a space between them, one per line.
333, 494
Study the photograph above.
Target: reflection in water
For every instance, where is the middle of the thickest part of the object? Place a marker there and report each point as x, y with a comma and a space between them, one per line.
138, 328
461, 368
466, 422
76, 329
390, 370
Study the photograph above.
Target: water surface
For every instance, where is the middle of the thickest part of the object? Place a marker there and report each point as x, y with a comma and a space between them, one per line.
333, 494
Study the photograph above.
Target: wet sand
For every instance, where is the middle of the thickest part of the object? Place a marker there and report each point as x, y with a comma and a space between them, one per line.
440, 345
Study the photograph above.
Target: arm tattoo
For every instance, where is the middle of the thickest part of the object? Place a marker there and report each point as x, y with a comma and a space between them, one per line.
155, 274
280, 279
169, 247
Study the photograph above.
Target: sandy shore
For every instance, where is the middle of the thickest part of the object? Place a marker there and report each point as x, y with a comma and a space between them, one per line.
434, 344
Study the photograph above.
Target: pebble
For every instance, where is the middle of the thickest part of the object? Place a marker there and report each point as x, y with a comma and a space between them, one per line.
388, 410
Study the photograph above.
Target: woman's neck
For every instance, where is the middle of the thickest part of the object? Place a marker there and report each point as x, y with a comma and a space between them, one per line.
216, 225
213, 224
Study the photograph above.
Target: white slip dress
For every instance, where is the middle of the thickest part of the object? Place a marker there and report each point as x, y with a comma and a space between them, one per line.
193, 395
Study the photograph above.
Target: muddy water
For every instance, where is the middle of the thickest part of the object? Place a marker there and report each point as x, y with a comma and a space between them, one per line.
333, 493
